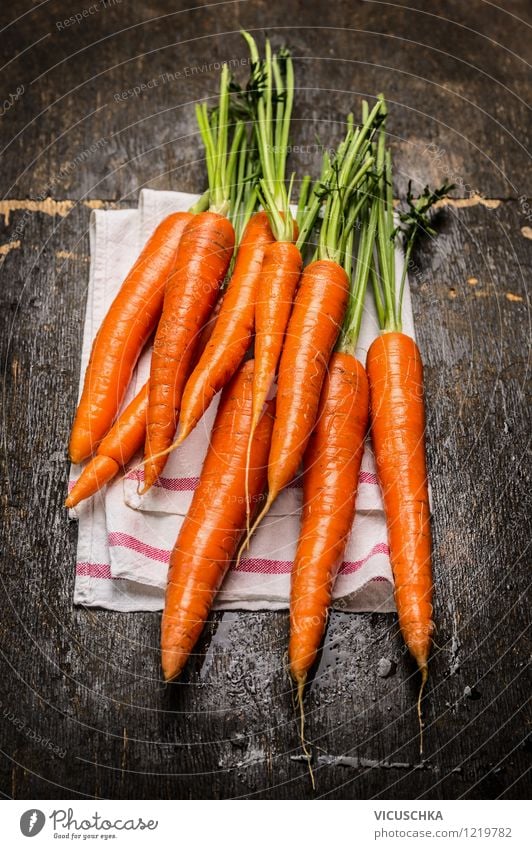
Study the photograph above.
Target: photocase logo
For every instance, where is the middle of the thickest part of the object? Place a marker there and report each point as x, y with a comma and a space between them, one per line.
32, 822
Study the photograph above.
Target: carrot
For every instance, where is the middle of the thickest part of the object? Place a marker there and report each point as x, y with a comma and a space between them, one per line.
282, 259
395, 376
317, 314
122, 442
331, 467
232, 332
397, 416
281, 270
312, 332
116, 449
125, 330
215, 521
330, 475
204, 255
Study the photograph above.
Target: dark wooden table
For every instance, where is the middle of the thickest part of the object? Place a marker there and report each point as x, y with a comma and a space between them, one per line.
83, 710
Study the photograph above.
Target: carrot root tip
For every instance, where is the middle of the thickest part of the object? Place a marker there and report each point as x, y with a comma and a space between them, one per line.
301, 680
172, 663
424, 678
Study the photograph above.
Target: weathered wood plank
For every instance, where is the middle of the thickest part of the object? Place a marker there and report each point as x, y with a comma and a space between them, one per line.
88, 683
107, 102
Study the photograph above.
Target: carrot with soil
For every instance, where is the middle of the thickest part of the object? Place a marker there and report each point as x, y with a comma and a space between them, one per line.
215, 521
204, 255
397, 415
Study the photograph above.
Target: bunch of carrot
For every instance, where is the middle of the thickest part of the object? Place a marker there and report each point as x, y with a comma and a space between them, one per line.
300, 323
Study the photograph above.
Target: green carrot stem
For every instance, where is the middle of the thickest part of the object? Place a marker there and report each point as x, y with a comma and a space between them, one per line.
385, 231
202, 204
221, 157
353, 319
304, 193
348, 252
377, 293
272, 127
406, 263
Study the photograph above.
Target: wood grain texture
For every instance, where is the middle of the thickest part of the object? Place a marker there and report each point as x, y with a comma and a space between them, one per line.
84, 126
87, 682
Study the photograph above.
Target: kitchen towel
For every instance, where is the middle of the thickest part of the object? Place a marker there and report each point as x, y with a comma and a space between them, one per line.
124, 540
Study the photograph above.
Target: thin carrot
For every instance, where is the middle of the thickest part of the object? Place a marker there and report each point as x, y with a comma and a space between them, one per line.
331, 467
126, 328
232, 332
215, 521
282, 263
116, 449
397, 416
281, 270
204, 255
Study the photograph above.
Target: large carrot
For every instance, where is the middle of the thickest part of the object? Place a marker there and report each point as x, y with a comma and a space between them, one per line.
395, 376
117, 448
203, 258
331, 467
127, 326
312, 332
317, 314
397, 418
215, 521
232, 332
204, 255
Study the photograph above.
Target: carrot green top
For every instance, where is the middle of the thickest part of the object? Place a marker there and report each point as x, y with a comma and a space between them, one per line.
358, 271
389, 295
222, 157
343, 187
270, 99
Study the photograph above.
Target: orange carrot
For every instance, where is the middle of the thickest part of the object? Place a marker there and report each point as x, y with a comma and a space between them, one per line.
281, 270
125, 438
319, 306
397, 417
215, 521
116, 449
312, 331
330, 477
395, 376
203, 258
332, 460
232, 332
125, 329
